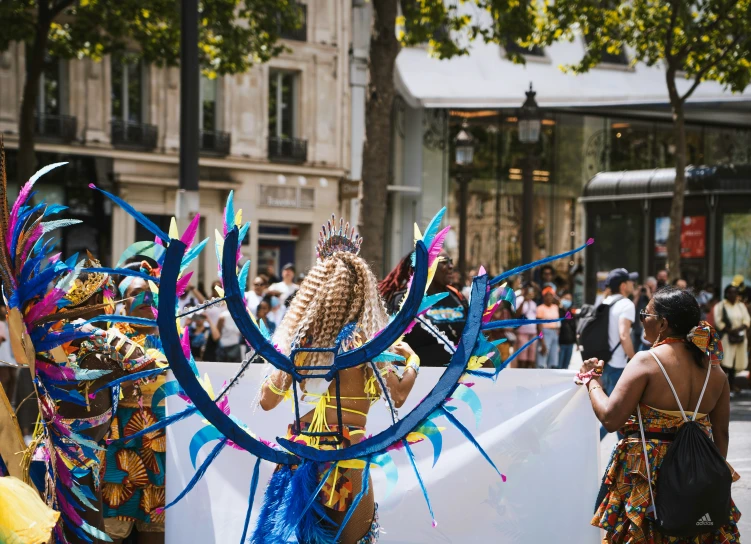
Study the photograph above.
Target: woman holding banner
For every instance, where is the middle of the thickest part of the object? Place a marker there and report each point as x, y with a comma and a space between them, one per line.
681, 369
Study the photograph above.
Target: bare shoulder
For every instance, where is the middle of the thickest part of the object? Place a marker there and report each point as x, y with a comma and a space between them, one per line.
642, 361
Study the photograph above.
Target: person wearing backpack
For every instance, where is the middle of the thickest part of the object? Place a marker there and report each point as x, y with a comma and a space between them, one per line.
668, 480
605, 330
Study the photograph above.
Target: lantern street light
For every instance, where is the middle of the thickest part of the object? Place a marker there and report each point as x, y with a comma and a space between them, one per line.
529, 122
464, 145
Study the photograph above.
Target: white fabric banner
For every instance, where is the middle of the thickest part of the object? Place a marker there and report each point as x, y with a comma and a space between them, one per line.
536, 425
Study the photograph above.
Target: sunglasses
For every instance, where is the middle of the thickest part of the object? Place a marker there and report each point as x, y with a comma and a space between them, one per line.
448, 261
259, 283
644, 315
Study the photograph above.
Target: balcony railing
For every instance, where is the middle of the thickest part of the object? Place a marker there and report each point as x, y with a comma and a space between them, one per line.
288, 149
215, 141
130, 134
55, 127
300, 33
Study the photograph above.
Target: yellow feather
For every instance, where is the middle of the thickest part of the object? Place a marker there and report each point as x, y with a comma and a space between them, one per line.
239, 218
431, 273
173, 232
220, 291
153, 287
418, 234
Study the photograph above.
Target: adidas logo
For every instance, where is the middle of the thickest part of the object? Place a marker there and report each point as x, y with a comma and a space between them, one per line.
705, 520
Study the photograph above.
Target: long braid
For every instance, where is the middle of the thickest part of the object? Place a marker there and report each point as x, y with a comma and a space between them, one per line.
396, 279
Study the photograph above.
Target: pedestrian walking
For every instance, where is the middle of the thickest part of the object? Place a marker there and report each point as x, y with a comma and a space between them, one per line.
732, 319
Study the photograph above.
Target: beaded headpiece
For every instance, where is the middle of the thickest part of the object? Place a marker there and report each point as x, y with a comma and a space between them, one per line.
332, 239
81, 291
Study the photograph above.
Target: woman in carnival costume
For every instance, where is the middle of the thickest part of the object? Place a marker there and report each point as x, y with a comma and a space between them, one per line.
336, 331
338, 305
134, 469
52, 304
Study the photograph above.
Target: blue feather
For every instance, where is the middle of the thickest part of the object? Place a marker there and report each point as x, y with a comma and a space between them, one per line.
147, 223
431, 300
513, 323
356, 500
271, 503
411, 457
123, 272
131, 377
302, 485
431, 231
524, 267
229, 211
251, 496
242, 279
191, 254
242, 233
314, 495
468, 435
200, 472
161, 424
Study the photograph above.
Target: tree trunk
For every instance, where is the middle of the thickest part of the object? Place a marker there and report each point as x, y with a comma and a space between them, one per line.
34, 66
679, 190
376, 159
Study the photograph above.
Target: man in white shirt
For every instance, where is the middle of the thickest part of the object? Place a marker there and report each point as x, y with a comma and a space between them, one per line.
283, 290
622, 317
256, 294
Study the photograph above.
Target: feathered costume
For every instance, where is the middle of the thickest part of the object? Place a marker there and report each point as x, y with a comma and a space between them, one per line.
76, 367
293, 506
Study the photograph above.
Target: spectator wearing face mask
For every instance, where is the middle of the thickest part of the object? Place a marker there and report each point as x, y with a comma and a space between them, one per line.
284, 289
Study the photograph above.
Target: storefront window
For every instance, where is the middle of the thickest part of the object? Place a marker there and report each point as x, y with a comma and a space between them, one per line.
736, 247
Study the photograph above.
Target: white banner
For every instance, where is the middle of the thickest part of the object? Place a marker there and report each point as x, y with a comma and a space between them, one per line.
536, 425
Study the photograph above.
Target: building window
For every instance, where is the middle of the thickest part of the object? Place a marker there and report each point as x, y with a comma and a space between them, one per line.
300, 31
283, 104
513, 48
51, 83
606, 57
209, 93
127, 90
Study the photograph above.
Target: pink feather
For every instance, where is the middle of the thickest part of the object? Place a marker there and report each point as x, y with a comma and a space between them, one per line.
23, 196
488, 315
55, 372
190, 233
63, 471
182, 284
158, 240
482, 271
155, 312
38, 231
185, 343
437, 245
54, 258
44, 306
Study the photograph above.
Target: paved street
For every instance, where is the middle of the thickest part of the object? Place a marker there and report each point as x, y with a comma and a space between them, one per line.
739, 456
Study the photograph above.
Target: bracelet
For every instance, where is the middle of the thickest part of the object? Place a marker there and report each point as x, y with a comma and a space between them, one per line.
594, 388
413, 362
274, 389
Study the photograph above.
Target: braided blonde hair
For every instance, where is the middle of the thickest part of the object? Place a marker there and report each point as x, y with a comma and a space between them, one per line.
339, 290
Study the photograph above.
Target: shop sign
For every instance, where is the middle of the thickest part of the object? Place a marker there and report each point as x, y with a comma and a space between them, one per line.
693, 237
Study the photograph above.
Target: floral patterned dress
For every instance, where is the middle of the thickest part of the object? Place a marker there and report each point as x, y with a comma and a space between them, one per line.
622, 512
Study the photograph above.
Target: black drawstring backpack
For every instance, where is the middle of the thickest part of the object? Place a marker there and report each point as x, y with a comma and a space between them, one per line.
692, 491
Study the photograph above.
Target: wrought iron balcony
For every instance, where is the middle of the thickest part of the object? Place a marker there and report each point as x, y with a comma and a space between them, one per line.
130, 134
288, 149
300, 33
215, 142
55, 127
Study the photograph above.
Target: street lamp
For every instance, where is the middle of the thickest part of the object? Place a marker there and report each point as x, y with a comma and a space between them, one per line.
464, 145
530, 120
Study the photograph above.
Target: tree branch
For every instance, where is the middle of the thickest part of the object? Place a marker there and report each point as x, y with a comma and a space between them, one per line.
671, 27
721, 18
708, 67
58, 8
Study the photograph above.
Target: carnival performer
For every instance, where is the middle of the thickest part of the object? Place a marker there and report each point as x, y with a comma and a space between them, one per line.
680, 370
48, 300
339, 293
134, 470
440, 328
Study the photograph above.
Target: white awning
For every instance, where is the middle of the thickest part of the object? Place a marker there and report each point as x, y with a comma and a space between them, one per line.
485, 79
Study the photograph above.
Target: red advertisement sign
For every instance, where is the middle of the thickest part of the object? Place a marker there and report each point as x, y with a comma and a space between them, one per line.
693, 237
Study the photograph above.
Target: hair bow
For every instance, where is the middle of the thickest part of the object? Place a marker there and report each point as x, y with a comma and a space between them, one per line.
705, 337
